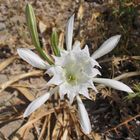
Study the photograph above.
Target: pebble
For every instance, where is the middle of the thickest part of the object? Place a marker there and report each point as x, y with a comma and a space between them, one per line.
3, 78
2, 26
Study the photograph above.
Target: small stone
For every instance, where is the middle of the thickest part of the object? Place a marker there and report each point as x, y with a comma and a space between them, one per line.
3, 78
2, 26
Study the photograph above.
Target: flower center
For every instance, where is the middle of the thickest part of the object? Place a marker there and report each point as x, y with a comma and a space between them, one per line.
71, 78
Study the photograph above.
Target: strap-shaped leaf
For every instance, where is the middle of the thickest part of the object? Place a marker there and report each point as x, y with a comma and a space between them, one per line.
31, 22
54, 42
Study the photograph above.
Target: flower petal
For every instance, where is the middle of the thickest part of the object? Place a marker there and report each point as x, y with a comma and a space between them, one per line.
113, 83
83, 116
86, 50
38, 102
58, 76
32, 58
84, 91
77, 44
69, 33
106, 47
95, 72
71, 91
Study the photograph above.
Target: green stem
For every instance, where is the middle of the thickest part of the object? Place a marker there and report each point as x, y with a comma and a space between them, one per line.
31, 21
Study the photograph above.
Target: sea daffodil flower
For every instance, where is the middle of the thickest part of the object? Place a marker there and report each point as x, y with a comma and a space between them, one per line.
73, 73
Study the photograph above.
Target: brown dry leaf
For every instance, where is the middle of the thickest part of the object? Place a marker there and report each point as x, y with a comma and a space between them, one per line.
7, 62
43, 128
75, 123
65, 135
24, 85
10, 117
80, 12
65, 124
66, 118
42, 27
58, 125
49, 127
96, 136
26, 92
61, 40
59, 131
2, 136
21, 132
95, 15
3, 86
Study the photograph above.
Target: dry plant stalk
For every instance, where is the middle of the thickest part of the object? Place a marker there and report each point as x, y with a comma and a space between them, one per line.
125, 123
25, 91
7, 62
65, 124
3, 86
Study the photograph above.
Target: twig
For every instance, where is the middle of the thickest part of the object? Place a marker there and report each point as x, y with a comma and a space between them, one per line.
43, 128
19, 77
123, 123
119, 59
127, 75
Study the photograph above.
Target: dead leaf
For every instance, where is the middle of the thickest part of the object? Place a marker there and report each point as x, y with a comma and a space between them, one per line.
58, 127
65, 135
96, 136
80, 12
33, 118
42, 27
3, 86
44, 128
61, 40
7, 62
25, 91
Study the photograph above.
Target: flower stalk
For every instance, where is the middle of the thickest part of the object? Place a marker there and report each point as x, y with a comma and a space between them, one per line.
32, 26
54, 43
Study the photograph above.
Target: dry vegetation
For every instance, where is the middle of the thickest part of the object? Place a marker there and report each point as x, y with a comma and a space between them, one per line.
113, 114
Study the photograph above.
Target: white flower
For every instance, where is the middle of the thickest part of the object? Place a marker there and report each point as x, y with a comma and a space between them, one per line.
73, 73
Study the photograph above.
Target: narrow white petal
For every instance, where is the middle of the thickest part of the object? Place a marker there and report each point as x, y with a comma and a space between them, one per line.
94, 63
32, 58
76, 44
71, 96
57, 73
92, 86
86, 50
55, 80
84, 91
54, 70
95, 72
83, 116
69, 90
69, 33
63, 52
113, 83
63, 89
38, 102
106, 47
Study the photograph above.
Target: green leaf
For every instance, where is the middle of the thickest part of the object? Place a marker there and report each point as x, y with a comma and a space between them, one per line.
31, 22
54, 43
131, 96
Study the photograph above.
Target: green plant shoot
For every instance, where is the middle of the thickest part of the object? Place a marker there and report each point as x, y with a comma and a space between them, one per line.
31, 22
54, 42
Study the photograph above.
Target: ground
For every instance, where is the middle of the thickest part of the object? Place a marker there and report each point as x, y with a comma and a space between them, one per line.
112, 116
